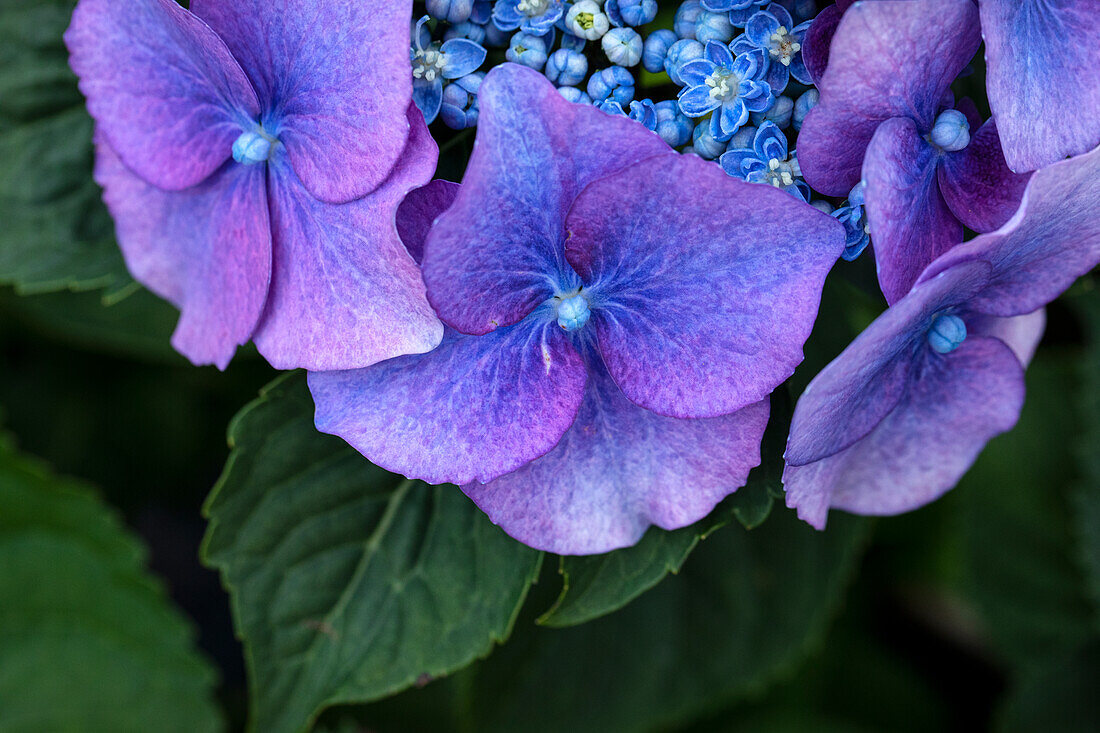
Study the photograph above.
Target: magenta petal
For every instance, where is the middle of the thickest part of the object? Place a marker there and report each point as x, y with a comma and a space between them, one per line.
335, 75
887, 59
702, 310
163, 89
419, 210
910, 222
497, 251
206, 249
618, 470
924, 446
977, 184
1053, 239
345, 293
815, 46
1043, 77
851, 395
474, 408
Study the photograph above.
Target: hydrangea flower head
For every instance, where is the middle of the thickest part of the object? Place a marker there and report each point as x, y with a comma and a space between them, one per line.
609, 351
724, 86
903, 412
252, 154
772, 30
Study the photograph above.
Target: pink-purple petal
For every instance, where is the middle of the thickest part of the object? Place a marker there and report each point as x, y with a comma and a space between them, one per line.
977, 184
887, 59
1043, 77
164, 90
333, 77
497, 252
954, 405
473, 409
815, 46
910, 222
206, 249
1021, 333
418, 211
620, 469
704, 309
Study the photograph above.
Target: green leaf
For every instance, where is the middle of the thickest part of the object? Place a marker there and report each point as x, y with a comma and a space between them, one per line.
56, 233
88, 641
1059, 696
349, 584
1086, 495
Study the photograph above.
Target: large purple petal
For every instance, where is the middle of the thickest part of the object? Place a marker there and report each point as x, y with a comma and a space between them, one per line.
1053, 239
206, 249
699, 311
334, 79
978, 185
1043, 77
910, 222
955, 404
345, 293
497, 252
888, 59
815, 46
164, 90
471, 410
419, 210
851, 395
618, 470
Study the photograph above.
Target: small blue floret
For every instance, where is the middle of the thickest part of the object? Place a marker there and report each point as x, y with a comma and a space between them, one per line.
573, 311
947, 333
951, 131
252, 147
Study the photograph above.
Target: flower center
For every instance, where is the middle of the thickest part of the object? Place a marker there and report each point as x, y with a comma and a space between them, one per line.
724, 85
533, 8
253, 146
782, 172
783, 46
951, 131
947, 333
572, 309
585, 20
428, 64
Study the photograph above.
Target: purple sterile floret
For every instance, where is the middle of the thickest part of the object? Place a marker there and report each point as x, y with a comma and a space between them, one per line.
611, 346
903, 412
253, 155
1043, 77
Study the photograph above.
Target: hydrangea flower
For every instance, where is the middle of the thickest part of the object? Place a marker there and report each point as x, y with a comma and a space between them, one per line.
726, 86
631, 12
773, 32
739, 10
459, 109
1043, 66
536, 17
644, 111
857, 232
767, 162
587, 20
884, 117
454, 59
902, 413
611, 351
253, 163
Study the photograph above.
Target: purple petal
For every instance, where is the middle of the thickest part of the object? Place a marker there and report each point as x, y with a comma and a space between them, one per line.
699, 311
164, 90
924, 446
977, 184
815, 47
336, 76
1021, 333
419, 210
345, 293
206, 249
1043, 62
886, 61
473, 409
619, 469
1053, 239
497, 252
910, 222
851, 395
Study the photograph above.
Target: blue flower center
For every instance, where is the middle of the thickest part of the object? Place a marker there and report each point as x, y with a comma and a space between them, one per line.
253, 147
783, 46
947, 333
724, 85
572, 310
951, 131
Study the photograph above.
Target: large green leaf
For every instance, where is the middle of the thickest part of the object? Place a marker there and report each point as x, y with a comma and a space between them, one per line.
88, 641
56, 233
1086, 495
349, 584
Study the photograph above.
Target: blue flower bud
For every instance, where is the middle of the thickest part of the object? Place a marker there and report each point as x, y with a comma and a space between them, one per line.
572, 94
680, 53
614, 82
572, 43
631, 12
452, 11
703, 141
528, 50
742, 139
951, 131
713, 27
572, 310
947, 333
779, 113
822, 205
686, 15
253, 147
587, 20
673, 126
623, 46
482, 12
468, 30
856, 232
566, 68
460, 108
856, 195
655, 49
802, 107
495, 37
